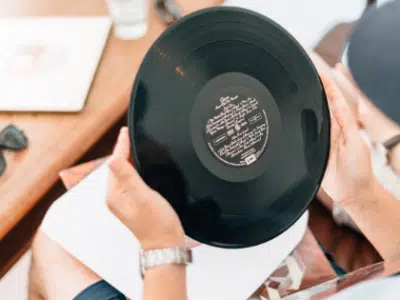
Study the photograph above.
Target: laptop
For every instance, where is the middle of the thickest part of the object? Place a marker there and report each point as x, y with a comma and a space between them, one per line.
48, 63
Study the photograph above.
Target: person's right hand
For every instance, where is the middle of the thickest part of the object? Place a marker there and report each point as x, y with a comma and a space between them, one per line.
349, 170
144, 211
349, 91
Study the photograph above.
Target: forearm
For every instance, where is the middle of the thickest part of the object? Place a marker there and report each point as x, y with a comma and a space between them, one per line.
166, 282
377, 213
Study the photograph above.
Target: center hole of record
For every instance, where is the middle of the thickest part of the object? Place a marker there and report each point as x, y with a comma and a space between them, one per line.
237, 129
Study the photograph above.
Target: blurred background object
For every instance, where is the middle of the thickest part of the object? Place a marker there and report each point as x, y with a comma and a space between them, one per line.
130, 18
373, 56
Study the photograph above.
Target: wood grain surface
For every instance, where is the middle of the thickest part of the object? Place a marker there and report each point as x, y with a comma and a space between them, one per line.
57, 140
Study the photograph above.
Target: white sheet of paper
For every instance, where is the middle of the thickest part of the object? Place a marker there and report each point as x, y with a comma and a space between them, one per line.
307, 20
81, 223
48, 63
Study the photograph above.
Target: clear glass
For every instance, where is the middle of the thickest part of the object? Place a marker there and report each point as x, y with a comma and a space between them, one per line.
130, 18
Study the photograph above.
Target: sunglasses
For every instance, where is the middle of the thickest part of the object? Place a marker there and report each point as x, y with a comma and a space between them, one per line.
13, 139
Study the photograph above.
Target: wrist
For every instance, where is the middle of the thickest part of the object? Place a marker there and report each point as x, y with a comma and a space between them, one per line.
364, 197
170, 240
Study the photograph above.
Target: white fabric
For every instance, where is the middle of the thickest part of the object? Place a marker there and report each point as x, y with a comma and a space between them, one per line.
81, 223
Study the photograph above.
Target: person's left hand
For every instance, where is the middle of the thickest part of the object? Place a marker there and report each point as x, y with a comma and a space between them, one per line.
144, 211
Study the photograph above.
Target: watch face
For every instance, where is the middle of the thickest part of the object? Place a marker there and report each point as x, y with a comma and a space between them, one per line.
230, 123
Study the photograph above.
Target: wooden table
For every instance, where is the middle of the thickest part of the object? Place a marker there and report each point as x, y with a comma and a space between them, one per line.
57, 140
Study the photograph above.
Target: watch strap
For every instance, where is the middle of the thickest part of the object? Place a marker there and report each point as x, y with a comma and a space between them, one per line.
159, 257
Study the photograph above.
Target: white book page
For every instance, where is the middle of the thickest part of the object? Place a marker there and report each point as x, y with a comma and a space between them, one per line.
81, 223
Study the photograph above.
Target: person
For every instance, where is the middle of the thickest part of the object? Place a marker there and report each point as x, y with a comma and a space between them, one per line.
349, 180
348, 250
376, 129
369, 118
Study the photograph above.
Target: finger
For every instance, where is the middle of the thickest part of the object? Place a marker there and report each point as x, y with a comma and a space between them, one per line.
340, 109
345, 71
319, 63
122, 148
348, 90
126, 175
335, 131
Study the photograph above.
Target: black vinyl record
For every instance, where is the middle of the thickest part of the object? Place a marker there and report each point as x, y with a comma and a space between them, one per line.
229, 122
374, 57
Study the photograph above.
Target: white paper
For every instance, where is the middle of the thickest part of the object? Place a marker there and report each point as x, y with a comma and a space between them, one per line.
81, 223
307, 20
48, 63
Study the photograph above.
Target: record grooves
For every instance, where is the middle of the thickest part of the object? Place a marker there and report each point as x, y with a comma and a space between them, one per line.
229, 122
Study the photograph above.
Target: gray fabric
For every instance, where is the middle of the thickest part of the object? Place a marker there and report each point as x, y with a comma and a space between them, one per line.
373, 56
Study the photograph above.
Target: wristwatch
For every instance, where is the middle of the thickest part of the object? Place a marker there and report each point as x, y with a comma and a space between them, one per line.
158, 257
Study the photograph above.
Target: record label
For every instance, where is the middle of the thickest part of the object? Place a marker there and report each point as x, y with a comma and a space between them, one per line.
237, 132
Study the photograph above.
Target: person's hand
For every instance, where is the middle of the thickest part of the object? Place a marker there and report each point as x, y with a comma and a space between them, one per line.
349, 91
349, 170
144, 211
345, 83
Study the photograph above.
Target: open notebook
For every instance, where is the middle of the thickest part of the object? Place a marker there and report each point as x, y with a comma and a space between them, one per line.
81, 223
48, 63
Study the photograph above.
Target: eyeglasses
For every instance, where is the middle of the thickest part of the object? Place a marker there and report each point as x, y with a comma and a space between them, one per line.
11, 138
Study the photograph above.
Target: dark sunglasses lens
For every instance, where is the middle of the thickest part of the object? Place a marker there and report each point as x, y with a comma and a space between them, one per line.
2, 164
12, 138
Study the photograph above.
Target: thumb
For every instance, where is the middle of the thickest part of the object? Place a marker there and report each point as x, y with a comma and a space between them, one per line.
120, 168
122, 148
126, 175
340, 109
